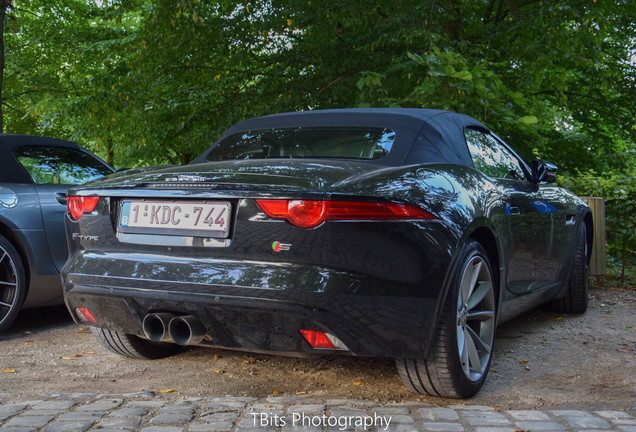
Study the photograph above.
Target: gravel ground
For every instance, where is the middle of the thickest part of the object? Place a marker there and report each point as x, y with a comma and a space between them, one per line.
542, 359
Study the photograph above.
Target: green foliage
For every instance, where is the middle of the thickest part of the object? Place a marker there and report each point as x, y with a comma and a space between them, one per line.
619, 191
157, 81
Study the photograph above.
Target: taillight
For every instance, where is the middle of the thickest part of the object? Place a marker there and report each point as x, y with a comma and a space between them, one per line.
78, 205
311, 213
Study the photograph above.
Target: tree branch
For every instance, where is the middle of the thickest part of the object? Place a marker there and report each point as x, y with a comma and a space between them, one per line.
236, 71
334, 82
568, 93
14, 109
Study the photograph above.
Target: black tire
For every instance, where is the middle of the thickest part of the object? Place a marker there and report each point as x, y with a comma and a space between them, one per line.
12, 284
133, 346
576, 294
451, 371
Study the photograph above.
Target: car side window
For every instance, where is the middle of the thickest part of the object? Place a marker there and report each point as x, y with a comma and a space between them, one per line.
51, 165
492, 158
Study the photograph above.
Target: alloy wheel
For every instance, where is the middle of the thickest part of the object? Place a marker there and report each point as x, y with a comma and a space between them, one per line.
475, 318
8, 284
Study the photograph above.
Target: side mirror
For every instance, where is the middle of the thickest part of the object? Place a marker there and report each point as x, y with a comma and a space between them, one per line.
543, 172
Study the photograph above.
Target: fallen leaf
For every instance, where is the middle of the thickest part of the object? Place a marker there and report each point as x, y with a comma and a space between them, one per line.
218, 370
301, 393
216, 356
167, 391
275, 392
523, 362
606, 316
26, 333
8, 370
88, 352
78, 355
559, 319
527, 367
67, 358
270, 406
493, 370
28, 343
358, 383
623, 350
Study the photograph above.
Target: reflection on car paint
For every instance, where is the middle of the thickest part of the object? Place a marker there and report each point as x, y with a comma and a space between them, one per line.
8, 198
543, 206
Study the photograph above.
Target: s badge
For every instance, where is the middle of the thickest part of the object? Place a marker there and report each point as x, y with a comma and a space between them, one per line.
278, 246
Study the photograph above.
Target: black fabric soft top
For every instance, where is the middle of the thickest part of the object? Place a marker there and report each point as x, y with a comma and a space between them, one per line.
422, 135
12, 171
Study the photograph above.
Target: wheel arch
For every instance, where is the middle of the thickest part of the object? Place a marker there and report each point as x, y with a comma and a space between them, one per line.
21, 248
487, 239
483, 234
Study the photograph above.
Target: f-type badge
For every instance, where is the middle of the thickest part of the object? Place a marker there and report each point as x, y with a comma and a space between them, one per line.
278, 246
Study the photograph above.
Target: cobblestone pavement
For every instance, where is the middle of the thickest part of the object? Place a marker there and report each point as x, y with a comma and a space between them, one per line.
149, 412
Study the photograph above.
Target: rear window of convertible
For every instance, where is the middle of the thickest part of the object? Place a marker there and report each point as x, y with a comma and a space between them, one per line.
306, 142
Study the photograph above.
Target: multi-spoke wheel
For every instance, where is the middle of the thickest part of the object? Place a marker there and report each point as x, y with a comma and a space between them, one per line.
12, 284
460, 354
475, 318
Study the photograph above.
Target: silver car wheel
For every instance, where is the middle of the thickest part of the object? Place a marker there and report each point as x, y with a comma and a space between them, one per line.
475, 318
8, 284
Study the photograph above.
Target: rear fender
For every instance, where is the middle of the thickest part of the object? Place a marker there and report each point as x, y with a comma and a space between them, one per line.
481, 231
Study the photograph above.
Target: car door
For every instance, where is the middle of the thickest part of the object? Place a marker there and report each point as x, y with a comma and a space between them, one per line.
532, 213
53, 170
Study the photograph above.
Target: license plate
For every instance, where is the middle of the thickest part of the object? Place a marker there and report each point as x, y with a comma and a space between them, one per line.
190, 218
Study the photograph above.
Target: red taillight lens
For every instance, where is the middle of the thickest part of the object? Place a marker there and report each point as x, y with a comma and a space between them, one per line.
311, 213
306, 214
78, 205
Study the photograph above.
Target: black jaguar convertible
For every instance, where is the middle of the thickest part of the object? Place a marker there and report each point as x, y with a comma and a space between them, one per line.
403, 233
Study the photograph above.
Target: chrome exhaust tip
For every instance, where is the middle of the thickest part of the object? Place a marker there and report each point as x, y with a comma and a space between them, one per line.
155, 326
186, 330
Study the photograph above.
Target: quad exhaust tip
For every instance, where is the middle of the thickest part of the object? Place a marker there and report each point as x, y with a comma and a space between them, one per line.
155, 326
186, 330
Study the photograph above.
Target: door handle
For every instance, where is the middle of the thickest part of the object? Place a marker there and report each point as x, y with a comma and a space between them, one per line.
61, 197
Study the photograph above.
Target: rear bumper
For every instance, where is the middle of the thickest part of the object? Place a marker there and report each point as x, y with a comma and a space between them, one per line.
257, 306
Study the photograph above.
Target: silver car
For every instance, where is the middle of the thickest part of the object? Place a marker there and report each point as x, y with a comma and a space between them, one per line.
35, 174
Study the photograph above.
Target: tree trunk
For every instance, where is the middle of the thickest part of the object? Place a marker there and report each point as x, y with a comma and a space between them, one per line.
185, 158
453, 22
4, 5
110, 152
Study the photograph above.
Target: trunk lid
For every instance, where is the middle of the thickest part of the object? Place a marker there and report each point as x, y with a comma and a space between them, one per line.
305, 175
